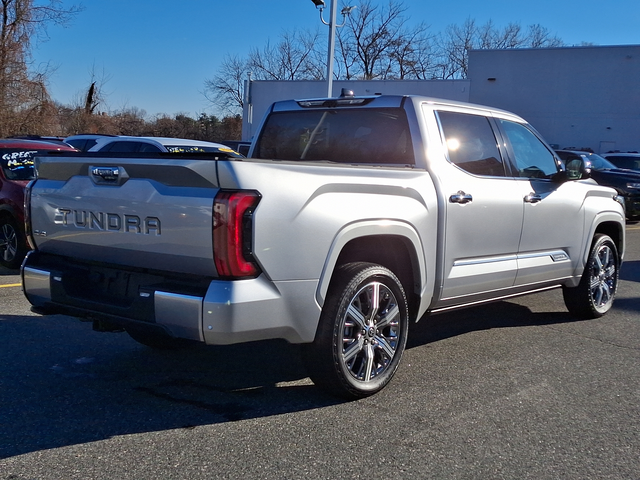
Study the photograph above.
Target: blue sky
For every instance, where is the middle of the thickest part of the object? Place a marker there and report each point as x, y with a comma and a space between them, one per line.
156, 54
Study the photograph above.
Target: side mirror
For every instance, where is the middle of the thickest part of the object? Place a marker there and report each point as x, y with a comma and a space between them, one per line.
575, 169
585, 169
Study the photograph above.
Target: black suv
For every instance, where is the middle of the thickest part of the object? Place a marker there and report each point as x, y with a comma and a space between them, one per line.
626, 182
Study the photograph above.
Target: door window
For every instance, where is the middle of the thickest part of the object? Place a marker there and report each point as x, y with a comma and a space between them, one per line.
531, 157
471, 143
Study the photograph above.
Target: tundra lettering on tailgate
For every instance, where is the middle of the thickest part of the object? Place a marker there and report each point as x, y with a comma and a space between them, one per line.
113, 222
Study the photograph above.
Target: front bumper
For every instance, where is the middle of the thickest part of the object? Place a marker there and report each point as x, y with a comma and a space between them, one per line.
632, 205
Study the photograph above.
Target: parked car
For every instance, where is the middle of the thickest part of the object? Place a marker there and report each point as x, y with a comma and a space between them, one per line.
85, 141
624, 160
47, 138
16, 170
158, 144
625, 181
238, 145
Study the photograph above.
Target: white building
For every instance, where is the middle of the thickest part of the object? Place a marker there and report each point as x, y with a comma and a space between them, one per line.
260, 94
583, 97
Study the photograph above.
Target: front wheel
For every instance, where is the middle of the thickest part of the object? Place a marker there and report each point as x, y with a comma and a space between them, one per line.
593, 297
362, 332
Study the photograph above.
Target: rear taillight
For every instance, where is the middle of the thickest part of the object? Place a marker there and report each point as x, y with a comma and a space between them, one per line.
233, 233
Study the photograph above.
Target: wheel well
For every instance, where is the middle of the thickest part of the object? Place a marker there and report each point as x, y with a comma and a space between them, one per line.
613, 230
393, 252
8, 213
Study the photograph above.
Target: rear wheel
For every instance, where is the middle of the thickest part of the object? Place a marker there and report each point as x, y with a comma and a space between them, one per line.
13, 246
593, 297
362, 332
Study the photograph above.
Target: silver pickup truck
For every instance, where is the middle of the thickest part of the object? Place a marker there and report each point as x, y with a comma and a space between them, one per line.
353, 217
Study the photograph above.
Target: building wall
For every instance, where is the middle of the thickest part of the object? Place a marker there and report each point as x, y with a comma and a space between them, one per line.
260, 94
576, 96
583, 97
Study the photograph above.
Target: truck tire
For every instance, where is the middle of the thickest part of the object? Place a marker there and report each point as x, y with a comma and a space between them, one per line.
13, 246
593, 297
156, 340
362, 332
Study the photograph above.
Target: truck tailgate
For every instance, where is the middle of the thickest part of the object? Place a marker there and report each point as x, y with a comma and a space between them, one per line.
140, 212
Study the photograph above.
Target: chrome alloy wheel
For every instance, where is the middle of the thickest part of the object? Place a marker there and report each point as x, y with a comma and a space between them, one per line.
602, 284
370, 332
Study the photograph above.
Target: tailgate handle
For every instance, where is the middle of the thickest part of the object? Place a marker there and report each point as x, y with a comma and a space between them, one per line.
106, 175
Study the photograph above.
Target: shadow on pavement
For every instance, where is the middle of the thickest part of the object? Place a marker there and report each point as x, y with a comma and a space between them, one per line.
494, 315
63, 384
630, 271
5, 272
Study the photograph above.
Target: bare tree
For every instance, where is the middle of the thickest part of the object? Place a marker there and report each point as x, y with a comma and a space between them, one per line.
85, 116
454, 47
457, 40
293, 57
376, 42
412, 55
23, 94
95, 95
540, 37
225, 90
375, 39
289, 59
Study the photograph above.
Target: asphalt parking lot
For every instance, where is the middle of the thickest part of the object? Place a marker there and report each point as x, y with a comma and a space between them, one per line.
512, 390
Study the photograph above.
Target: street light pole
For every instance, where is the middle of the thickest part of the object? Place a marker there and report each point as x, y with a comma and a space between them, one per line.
332, 45
333, 11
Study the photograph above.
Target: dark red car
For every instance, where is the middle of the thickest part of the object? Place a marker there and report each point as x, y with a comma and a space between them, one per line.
16, 170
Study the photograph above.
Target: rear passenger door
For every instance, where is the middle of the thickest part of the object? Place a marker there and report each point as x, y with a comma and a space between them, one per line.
482, 206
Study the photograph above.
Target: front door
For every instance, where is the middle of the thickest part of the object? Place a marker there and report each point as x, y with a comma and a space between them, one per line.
553, 212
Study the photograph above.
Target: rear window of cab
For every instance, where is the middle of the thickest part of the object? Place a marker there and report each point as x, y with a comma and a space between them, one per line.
344, 135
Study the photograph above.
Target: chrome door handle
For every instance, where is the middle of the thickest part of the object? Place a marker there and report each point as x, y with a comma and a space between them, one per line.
460, 197
533, 198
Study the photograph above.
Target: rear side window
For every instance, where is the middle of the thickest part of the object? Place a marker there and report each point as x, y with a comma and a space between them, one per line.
81, 144
471, 143
121, 147
379, 136
625, 162
147, 147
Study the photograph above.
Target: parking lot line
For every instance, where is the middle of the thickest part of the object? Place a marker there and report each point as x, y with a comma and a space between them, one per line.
11, 285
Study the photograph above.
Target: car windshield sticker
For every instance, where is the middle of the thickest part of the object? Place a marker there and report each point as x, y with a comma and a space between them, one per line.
18, 165
186, 149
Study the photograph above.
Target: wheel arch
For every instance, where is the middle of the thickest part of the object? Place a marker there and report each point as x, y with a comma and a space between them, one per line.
393, 244
9, 212
616, 232
607, 225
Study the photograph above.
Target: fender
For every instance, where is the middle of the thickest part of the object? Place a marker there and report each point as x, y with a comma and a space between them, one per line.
372, 228
613, 218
